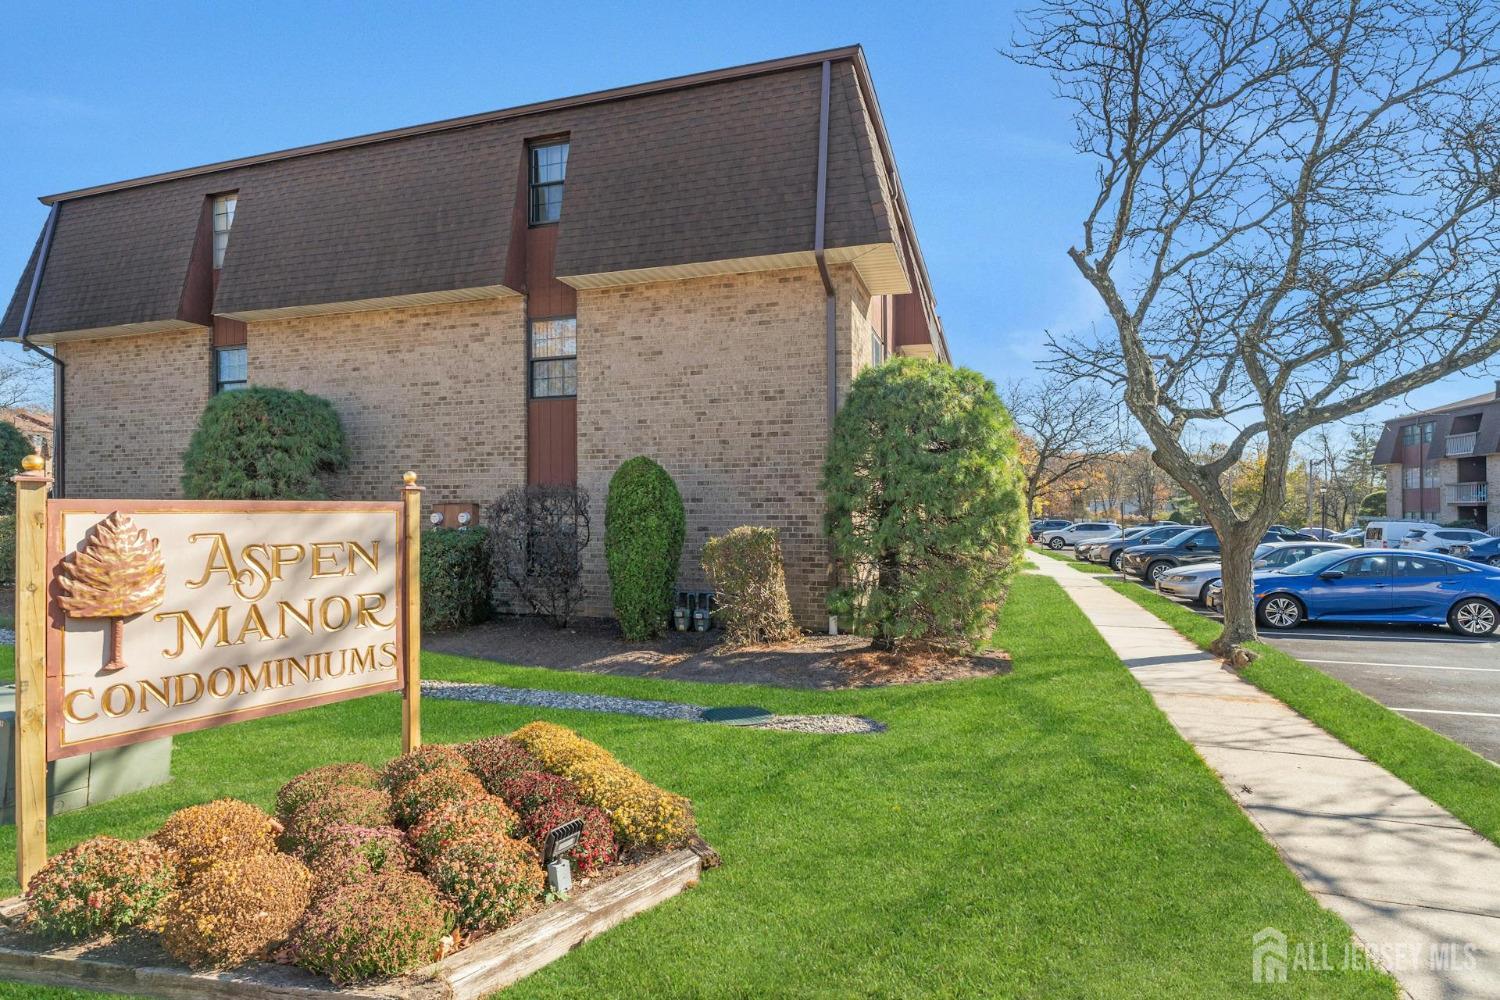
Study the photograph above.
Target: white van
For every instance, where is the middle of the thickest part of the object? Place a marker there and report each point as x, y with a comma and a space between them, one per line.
1388, 534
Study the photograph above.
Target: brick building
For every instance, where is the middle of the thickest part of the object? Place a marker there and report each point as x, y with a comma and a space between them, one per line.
692, 269
1443, 464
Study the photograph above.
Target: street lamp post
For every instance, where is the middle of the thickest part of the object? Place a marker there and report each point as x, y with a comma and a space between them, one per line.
1323, 505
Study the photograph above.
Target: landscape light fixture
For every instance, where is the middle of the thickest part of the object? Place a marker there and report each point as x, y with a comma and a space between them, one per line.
555, 846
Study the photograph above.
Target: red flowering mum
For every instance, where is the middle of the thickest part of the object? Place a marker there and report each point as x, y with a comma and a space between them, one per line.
496, 759
489, 877
527, 792
596, 847
460, 819
343, 853
373, 928
422, 760
341, 805
431, 791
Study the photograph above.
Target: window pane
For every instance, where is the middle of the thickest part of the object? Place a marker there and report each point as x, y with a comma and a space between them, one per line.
554, 338
554, 378
232, 367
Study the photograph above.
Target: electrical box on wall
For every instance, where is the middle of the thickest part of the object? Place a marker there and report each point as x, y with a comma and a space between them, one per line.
454, 515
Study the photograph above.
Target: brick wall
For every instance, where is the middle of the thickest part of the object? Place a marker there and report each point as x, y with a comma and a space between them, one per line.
721, 380
438, 389
132, 404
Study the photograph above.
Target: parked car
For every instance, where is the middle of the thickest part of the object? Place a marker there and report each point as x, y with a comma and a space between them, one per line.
1087, 550
1082, 531
1381, 585
1388, 534
1198, 545
1112, 551
1047, 524
1486, 550
1191, 582
1320, 534
1353, 536
1442, 540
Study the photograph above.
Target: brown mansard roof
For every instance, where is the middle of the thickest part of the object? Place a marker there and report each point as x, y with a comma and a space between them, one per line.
709, 173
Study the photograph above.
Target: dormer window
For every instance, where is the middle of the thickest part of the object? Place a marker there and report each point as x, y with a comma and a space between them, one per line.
549, 168
223, 220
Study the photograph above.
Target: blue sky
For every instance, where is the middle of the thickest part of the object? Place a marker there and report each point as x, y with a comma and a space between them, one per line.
108, 91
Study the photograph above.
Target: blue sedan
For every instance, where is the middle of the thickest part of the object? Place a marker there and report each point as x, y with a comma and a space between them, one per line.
1381, 585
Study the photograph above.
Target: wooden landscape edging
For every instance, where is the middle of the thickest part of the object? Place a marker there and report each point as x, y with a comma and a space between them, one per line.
490, 964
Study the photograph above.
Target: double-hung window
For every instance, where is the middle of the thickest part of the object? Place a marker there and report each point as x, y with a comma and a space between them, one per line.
231, 368
224, 206
554, 357
549, 169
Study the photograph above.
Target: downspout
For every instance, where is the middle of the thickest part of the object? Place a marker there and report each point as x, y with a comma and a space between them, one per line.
59, 369
830, 307
830, 312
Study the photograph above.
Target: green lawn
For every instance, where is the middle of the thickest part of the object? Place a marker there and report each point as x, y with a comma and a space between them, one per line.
1078, 564
1041, 834
1449, 773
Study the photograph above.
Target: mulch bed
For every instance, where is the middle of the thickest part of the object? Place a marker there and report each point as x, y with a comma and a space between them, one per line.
818, 661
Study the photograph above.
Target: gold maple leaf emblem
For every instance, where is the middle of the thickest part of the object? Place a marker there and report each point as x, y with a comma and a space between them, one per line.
118, 573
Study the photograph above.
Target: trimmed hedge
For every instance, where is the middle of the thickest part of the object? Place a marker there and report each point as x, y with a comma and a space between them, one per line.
644, 815
264, 444
457, 577
746, 570
644, 524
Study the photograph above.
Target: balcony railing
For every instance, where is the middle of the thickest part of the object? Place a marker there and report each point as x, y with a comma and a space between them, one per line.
1461, 444
1466, 493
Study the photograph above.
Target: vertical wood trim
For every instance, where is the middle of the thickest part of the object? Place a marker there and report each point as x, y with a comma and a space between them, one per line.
411, 582
31, 669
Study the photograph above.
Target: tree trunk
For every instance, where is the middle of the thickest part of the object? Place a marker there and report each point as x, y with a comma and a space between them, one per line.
116, 646
1237, 552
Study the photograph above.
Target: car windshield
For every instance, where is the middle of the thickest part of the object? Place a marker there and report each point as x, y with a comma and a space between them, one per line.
1178, 536
1317, 563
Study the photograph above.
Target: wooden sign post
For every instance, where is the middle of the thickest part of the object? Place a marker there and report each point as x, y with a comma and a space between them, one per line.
138, 619
30, 754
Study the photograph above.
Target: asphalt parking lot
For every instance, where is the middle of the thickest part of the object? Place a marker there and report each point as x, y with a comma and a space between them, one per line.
1445, 682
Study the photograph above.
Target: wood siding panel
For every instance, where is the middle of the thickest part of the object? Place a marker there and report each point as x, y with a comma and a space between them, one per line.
202, 280
228, 332
908, 320
545, 295
552, 442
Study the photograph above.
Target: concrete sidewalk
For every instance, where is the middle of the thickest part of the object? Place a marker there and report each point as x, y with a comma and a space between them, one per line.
1420, 889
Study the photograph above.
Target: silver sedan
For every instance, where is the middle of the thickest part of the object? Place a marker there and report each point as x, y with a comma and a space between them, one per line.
1191, 582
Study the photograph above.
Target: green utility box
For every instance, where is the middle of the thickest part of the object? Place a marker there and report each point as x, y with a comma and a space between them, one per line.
75, 782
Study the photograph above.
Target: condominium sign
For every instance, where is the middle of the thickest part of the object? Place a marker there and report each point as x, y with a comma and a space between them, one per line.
169, 616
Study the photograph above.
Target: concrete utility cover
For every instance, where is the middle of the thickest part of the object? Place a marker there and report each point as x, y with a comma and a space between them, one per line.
737, 715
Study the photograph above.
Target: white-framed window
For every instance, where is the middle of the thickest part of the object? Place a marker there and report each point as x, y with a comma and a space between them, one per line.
231, 368
1411, 477
554, 357
877, 348
224, 206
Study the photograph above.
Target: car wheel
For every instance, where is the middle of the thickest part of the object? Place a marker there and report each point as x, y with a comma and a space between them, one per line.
1493, 560
1280, 612
1203, 594
1114, 561
1474, 617
1156, 571
1056, 544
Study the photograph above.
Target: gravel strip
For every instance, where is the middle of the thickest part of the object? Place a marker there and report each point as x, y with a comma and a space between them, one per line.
7, 637
536, 698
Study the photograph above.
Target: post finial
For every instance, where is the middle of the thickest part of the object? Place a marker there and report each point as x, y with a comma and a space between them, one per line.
410, 479
33, 463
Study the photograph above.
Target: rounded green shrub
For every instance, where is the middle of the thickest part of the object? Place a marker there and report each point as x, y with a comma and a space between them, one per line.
926, 508
99, 887
644, 525
314, 784
264, 444
489, 877
456, 577
373, 928
13, 448
423, 760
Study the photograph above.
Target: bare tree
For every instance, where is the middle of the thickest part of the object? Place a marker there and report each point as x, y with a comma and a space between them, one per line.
537, 536
23, 381
1070, 427
1147, 482
1296, 219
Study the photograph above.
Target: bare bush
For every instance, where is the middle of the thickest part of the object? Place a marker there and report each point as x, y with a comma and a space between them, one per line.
746, 569
538, 536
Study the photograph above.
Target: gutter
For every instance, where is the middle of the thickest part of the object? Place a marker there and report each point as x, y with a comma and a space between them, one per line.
59, 368
830, 307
